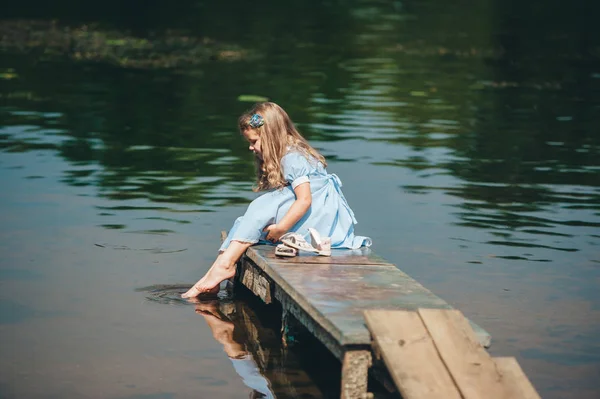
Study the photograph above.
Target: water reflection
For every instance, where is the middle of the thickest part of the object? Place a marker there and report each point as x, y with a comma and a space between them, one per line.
254, 346
491, 122
224, 331
250, 334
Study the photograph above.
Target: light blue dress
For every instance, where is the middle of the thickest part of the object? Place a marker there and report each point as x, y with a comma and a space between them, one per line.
329, 213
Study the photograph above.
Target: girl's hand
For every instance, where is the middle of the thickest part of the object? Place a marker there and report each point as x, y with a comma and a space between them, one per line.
274, 232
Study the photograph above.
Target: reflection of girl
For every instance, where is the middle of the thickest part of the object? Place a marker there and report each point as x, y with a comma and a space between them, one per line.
242, 360
300, 195
247, 369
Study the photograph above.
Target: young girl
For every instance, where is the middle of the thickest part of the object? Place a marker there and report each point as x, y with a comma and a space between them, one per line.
300, 194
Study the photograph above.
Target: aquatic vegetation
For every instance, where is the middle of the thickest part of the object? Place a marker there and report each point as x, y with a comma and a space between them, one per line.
170, 49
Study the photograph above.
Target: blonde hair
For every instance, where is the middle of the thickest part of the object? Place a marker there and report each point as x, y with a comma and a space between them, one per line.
277, 134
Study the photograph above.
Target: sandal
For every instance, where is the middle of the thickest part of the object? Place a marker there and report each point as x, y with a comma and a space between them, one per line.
284, 250
322, 244
297, 241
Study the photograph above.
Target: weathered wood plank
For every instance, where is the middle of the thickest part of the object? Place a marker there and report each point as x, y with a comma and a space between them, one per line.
361, 256
410, 355
472, 369
255, 280
336, 294
355, 369
314, 326
514, 376
332, 296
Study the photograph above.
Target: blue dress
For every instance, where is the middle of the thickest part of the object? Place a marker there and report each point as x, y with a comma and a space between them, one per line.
329, 213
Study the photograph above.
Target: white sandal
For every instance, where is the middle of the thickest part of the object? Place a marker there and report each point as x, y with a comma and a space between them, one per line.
297, 241
322, 244
285, 250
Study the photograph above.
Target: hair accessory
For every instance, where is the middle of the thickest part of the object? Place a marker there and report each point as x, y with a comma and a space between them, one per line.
256, 121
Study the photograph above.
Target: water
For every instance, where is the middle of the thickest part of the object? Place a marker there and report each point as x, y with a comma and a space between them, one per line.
466, 138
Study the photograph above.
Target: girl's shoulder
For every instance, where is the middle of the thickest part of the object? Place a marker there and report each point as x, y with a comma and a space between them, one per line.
295, 157
294, 154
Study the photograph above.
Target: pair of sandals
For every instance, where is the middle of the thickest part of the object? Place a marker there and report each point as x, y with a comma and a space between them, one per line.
294, 242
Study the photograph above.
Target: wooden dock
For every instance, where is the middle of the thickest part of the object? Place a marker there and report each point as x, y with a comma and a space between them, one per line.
328, 295
433, 353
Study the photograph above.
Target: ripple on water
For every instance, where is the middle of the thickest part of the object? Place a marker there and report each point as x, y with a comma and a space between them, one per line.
154, 250
170, 294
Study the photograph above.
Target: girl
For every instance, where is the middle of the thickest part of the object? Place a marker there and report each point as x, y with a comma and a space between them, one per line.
300, 194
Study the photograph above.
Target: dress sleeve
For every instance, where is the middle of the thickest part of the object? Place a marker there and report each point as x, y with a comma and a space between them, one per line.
296, 168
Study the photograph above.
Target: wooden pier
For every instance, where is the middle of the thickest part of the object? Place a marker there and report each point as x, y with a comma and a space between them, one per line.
433, 353
328, 297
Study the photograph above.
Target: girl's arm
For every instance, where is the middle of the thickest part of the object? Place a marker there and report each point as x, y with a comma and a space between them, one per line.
293, 215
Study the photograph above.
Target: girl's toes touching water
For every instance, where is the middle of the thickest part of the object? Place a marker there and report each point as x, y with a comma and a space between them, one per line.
198, 289
209, 284
213, 278
222, 269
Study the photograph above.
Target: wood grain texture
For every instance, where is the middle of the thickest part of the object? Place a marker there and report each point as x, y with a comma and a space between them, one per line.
336, 294
472, 369
410, 355
254, 279
361, 256
514, 376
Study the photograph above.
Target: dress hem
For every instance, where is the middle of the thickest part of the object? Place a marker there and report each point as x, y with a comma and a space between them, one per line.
221, 250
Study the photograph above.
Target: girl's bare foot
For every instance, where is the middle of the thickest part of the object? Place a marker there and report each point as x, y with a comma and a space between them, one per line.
211, 280
222, 269
209, 284
196, 291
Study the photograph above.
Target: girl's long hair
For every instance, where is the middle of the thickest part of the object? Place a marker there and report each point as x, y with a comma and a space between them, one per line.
276, 135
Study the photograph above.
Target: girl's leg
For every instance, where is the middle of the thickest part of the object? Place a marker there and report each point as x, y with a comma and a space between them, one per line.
222, 269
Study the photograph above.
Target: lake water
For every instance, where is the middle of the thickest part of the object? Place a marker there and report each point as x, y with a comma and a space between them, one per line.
466, 138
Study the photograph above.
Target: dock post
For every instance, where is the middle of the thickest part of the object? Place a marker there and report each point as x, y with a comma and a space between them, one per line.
355, 369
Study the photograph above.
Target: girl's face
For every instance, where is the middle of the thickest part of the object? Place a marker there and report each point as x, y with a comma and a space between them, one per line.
254, 139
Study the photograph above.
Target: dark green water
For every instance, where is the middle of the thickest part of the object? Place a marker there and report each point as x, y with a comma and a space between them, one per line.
466, 137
